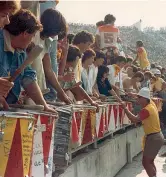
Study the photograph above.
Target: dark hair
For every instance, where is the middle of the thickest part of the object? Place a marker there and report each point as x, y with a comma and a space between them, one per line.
138, 69
154, 77
153, 65
23, 21
99, 54
100, 23
109, 19
88, 54
120, 59
129, 59
12, 6
73, 53
140, 75
83, 37
139, 43
148, 73
70, 37
53, 23
135, 69
101, 71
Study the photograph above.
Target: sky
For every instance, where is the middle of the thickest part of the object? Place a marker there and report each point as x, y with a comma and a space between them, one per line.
127, 12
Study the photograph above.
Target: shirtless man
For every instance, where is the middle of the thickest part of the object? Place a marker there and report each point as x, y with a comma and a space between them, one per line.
133, 82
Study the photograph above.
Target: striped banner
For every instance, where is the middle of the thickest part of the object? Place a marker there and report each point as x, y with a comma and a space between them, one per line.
16, 146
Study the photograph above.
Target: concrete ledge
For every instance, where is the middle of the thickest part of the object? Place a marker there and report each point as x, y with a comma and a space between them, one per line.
108, 159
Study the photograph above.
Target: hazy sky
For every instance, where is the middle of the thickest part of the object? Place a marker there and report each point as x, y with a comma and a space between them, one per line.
127, 12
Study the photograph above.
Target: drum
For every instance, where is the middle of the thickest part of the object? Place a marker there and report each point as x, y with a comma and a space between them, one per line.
113, 116
42, 157
16, 143
62, 137
101, 121
76, 130
43, 145
86, 124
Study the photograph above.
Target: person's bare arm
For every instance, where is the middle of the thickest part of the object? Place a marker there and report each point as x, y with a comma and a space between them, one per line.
80, 95
113, 93
52, 78
126, 84
132, 117
62, 64
35, 94
135, 86
115, 89
132, 50
136, 59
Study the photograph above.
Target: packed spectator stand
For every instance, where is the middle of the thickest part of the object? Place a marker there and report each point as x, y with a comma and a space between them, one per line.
68, 86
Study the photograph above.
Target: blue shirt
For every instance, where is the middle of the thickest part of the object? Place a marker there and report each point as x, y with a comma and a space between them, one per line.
9, 62
104, 87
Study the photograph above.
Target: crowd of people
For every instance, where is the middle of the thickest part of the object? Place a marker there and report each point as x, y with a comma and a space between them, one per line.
79, 67
130, 34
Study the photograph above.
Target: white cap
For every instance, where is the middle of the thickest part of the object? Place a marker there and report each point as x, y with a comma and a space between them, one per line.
144, 92
158, 72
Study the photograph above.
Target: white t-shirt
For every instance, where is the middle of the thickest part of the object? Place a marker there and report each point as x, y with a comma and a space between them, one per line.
38, 63
111, 77
93, 71
86, 81
120, 80
114, 79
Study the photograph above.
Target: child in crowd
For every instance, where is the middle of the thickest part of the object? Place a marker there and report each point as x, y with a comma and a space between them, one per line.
78, 93
104, 85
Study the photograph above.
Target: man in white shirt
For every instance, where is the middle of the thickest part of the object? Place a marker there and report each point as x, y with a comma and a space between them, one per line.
93, 71
115, 72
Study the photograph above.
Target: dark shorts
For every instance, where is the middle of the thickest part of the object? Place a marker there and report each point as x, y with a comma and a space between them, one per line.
153, 144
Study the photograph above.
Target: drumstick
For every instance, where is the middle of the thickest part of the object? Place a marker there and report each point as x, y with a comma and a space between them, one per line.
74, 86
31, 57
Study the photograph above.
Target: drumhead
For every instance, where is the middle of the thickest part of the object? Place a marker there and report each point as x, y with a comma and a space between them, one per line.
21, 115
83, 106
32, 112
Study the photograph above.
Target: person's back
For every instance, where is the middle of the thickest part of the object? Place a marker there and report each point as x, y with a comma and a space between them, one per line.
108, 33
127, 84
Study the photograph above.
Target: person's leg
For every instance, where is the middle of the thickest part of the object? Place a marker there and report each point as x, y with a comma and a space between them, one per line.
153, 144
149, 166
154, 166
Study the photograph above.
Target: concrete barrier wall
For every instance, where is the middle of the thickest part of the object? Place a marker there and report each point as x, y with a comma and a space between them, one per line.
108, 159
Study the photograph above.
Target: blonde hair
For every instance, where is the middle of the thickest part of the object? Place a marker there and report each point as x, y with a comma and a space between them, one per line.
12, 6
